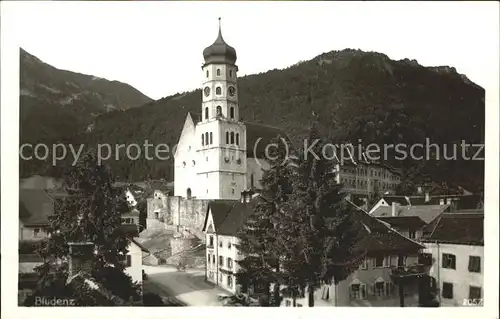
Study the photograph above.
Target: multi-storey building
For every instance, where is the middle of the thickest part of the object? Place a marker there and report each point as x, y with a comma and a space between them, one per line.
455, 249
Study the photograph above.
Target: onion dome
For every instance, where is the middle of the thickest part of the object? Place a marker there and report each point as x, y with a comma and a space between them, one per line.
220, 51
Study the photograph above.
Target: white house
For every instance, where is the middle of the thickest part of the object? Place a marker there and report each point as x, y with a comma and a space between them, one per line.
223, 221
218, 154
455, 248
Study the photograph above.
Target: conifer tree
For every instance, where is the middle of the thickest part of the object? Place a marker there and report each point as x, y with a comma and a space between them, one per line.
91, 212
260, 241
319, 222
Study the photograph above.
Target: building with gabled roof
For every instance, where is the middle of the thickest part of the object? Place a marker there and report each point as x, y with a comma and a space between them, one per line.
455, 250
224, 218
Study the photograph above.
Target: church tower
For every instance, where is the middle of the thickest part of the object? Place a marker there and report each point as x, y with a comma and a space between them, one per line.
222, 137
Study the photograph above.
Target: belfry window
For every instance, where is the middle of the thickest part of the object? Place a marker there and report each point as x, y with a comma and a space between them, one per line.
206, 113
227, 137
232, 137
202, 139
207, 73
237, 138
231, 112
218, 72
211, 141
230, 73
218, 91
219, 110
206, 138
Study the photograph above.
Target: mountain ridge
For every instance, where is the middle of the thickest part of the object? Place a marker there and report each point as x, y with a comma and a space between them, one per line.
355, 95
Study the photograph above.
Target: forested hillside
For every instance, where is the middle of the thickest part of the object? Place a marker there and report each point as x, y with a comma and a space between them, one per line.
355, 95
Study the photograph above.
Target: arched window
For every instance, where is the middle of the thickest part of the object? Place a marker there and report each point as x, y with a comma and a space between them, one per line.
188, 193
251, 180
231, 112
218, 72
206, 138
232, 137
219, 110
211, 141
207, 73
218, 90
237, 138
206, 113
202, 139
227, 137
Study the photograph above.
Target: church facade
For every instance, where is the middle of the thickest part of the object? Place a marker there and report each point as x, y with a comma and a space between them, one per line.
218, 155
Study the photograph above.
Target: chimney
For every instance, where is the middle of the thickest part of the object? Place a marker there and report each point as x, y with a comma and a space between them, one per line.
427, 197
80, 257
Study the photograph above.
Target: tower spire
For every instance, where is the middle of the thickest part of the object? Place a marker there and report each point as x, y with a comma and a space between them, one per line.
220, 29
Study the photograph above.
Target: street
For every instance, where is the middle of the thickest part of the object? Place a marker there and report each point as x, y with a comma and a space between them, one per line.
182, 287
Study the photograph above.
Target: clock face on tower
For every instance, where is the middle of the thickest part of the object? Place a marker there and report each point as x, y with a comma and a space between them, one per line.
207, 91
231, 90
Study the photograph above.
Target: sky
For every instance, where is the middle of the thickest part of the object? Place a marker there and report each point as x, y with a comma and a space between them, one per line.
157, 46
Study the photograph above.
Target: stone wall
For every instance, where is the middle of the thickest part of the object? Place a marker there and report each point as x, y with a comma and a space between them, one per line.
164, 211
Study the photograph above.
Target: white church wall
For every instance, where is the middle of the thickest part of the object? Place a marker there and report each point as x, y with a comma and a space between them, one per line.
254, 167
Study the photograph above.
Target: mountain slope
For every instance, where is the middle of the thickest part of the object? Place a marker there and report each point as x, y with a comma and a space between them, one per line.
57, 103
355, 95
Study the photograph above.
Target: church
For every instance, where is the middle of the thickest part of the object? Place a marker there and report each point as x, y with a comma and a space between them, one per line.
219, 155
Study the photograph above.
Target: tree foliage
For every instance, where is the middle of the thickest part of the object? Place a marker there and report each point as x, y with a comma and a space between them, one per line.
91, 212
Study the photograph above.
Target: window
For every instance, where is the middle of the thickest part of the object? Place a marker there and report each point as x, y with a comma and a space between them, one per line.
231, 112
220, 243
126, 260
218, 90
230, 281
206, 138
229, 245
221, 261
211, 241
219, 110
474, 292
251, 181
207, 73
449, 261
157, 215
208, 259
229, 262
288, 303
364, 264
379, 261
206, 113
211, 141
202, 139
358, 291
389, 288
237, 138
227, 137
36, 232
218, 72
213, 259
412, 234
474, 264
230, 73
447, 290
379, 289
232, 137
401, 260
